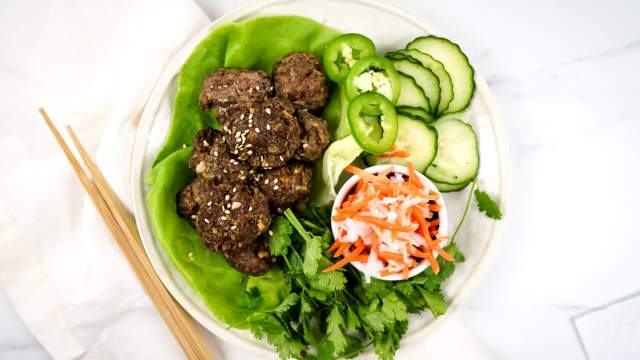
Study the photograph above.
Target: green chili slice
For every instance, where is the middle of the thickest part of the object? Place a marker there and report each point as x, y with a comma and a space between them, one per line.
373, 74
343, 52
373, 122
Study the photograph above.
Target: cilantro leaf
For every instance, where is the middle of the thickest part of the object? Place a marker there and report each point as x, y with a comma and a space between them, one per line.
286, 304
435, 301
280, 236
334, 332
353, 322
262, 324
487, 205
312, 255
253, 300
386, 344
394, 308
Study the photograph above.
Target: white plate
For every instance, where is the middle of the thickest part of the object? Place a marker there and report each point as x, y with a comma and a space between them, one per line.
390, 28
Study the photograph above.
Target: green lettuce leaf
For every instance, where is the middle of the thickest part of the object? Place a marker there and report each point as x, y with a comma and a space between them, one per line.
252, 44
231, 295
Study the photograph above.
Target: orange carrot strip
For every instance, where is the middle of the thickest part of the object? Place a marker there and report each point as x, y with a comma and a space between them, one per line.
434, 264
333, 246
343, 247
435, 246
435, 207
391, 256
413, 177
405, 272
397, 154
362, 258
386, 272
382, 223
374, 242
347, 259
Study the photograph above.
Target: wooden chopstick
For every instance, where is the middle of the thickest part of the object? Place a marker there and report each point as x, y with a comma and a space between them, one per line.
122, 226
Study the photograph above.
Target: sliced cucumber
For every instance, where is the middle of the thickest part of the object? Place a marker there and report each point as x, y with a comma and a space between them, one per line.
446, 86
457, 160
415, 113
450, 188
415, 136
411, 94
424, 77
457, 65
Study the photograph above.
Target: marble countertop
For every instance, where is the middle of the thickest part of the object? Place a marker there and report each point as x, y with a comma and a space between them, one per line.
566, 78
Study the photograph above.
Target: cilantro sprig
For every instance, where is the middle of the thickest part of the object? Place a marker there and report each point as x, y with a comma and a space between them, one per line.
338, 314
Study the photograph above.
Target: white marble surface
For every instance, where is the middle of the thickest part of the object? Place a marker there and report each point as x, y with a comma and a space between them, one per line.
565, 77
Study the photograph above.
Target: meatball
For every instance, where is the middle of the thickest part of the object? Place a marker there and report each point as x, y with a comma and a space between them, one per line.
253, 259
315, 136
286, 185
211, 159
227, 89
266, 136
299, 79
231, 216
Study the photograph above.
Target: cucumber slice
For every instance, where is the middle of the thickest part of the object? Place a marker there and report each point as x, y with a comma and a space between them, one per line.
446, 86
424, 77
415, 113
415, 136
457, 160
457, 65
411, 94
445, 188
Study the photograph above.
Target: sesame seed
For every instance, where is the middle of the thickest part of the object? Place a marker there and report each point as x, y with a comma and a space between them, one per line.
268, 127
215, 153
275, 187
223, 218
224, 171
258, 88
275, 181
205, 143
238, 134
271, 88
190, 256
281, 158
270, 233
184, 146
235, 205
257, 130
206, 220
242, 177
228, 205
227, 212
266, 181
193, 216
268, 111
250, 208
241, 116
226, 197
234, 189
305, 145
249, 152
209, 203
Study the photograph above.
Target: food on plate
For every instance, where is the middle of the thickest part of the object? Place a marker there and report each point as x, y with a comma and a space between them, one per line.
265, 135
285, 185
343, 52
373, 122
389, 222
213, 161
315, 136
227, 89
244, 213
299, 78
373, 74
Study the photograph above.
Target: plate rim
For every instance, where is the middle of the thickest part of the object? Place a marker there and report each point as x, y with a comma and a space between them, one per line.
483, 94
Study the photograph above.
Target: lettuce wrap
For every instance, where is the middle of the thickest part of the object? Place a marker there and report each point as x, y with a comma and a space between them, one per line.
253, 44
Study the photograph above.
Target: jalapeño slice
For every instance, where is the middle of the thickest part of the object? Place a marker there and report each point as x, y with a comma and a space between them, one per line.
373, 122
373, 74
343, 52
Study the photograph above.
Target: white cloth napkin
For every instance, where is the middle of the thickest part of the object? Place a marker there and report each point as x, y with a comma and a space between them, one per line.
611, 332
92, 64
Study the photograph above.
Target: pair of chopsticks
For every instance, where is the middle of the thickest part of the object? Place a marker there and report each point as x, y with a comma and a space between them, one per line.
123, 228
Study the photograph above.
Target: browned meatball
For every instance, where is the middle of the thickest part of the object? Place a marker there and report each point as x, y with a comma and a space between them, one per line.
315, 136
254, 259
266, 135
227, 89
285, 185
232, 216
211, 159
299, 79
